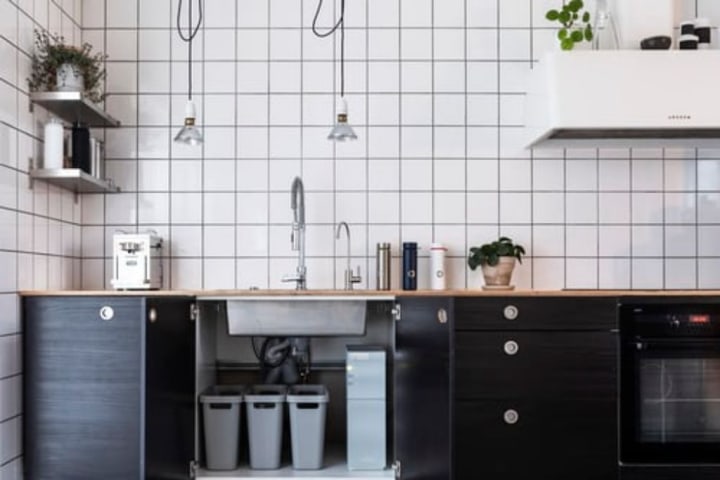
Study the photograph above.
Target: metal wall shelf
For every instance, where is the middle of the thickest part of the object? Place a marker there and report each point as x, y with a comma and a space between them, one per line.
73, 107
74, 179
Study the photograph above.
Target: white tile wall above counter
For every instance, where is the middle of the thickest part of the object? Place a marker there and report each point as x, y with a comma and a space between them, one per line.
436, 91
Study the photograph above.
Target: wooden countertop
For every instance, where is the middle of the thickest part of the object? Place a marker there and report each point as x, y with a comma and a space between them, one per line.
369, 293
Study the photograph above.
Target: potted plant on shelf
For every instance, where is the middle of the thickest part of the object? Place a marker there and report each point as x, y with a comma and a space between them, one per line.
497, 260
60, 67
574, 21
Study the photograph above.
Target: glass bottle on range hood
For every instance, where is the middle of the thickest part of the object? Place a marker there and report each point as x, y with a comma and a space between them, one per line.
605, 33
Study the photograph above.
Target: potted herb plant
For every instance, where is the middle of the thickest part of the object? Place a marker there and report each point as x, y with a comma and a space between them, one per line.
497, 260
57, 66
574, 23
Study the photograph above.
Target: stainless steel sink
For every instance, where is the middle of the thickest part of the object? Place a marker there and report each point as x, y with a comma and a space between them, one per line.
296, 316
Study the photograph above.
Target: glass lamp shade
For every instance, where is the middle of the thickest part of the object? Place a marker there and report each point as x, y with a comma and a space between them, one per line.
189, 134
342, 131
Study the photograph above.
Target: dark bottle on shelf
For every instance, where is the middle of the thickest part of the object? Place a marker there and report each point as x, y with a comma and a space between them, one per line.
81, 147
409, 266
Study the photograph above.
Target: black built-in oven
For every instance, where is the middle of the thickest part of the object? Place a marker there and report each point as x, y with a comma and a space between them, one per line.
670, 386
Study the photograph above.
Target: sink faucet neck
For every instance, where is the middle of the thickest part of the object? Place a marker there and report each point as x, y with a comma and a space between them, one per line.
350, 277
297, 235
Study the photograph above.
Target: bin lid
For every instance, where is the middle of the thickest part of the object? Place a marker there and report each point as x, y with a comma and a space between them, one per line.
222, 394
308, 394
266, 394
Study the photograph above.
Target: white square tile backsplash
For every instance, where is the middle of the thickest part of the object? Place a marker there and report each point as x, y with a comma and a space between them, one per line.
436, 93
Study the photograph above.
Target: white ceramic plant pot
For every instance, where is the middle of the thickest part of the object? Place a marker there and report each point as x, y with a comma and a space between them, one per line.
69, 79
500, 274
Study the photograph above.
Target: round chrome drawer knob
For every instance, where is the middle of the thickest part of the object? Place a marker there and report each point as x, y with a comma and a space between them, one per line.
511, 312
107, 313
511, 347
511, 417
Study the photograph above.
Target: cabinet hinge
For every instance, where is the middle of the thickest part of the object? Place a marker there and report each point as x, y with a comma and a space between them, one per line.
193, 312
193, 469
397, 312
397, 467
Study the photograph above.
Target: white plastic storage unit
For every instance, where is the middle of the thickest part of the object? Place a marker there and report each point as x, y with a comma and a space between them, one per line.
366, 408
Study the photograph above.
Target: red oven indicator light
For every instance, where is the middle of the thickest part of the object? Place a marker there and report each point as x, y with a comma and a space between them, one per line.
699, 319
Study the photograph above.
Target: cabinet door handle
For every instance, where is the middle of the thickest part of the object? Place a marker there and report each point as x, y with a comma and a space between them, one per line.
152, 315
442, 316
511, 347
511, 312
511, 416
107, 313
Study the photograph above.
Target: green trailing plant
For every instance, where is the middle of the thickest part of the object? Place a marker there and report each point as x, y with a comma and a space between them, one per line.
575, 23
51, 52
490, 253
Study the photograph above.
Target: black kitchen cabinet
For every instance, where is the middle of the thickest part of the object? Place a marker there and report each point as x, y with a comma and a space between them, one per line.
535, 388
109, 387
423, 385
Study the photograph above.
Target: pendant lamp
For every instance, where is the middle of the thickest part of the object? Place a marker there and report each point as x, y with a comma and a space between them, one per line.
342, 130
189, 134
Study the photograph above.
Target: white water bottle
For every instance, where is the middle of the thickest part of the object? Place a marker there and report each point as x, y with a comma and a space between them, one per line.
53, 147
437, 267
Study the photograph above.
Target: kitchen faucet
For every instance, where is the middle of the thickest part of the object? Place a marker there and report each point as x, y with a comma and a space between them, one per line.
297, 236
350, 277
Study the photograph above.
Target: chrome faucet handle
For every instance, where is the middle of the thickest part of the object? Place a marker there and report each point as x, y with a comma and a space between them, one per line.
298, 278
351, 278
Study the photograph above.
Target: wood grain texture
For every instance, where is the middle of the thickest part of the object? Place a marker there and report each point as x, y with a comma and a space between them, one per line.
548, 365
537, 313
82, 389
558, 439
423, 386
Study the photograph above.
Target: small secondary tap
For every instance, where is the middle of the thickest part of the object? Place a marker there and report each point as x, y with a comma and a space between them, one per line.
350, 277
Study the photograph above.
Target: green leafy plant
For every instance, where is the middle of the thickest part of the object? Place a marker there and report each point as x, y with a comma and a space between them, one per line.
490, 253
51, 52
575, 23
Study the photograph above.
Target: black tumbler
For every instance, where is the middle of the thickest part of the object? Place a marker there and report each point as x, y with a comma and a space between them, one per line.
409, 266
81, 148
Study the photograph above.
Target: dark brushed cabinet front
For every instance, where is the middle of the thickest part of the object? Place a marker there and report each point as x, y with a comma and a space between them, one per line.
83, 388
527, 438
170, 389
423, 386
547, 365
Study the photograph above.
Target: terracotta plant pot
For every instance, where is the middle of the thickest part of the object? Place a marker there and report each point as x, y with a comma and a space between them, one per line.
500, 274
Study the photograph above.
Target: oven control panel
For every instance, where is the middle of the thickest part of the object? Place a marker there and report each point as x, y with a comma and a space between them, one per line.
671, 321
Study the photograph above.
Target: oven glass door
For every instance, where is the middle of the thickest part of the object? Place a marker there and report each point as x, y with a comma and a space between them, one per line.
670, 401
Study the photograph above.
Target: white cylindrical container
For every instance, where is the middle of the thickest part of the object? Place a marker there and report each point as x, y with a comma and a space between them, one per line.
437, 267
53, 148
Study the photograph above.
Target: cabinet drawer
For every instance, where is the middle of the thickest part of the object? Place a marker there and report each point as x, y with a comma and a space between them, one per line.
536, 313
556, 440
549, 365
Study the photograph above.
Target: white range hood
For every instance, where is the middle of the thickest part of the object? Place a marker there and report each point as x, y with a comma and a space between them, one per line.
625, 98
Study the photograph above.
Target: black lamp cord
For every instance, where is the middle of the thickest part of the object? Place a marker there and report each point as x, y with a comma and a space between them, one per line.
340, 23
192, 33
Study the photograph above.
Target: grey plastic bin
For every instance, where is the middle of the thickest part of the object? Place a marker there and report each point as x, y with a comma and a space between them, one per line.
265, 405
221, 417
308, 405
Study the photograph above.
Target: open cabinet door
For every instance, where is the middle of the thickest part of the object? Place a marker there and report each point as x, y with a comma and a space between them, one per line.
423, 388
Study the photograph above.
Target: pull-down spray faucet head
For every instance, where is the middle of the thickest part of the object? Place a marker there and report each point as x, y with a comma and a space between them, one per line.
297, 204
